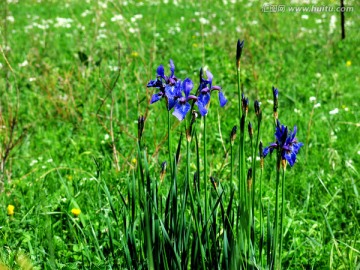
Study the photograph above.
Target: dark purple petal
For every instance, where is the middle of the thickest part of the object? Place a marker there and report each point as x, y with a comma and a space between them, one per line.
275, 93
202, 109
160, 71
222, 99
181, 109
156, 97
171, 80
209, 77
270, 148
290, 157
152, 83
266, 151
187, 86
296, 147
293, 133
281, 133
170, 96
172, 68
192, 97
204, 98
177, 89
215, 87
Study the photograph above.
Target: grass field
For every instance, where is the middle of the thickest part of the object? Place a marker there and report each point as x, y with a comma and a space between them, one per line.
73, 77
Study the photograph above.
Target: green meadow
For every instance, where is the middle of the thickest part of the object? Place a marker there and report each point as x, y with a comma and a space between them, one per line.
73, 83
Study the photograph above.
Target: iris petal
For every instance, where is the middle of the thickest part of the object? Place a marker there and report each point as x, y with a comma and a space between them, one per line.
202, 109
181, 109
204, 98
170, 96
160, 71
210, 77
172, 68
187, 86
156, 97
222, 99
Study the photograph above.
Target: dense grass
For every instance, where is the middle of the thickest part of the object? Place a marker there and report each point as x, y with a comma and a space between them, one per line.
72, 116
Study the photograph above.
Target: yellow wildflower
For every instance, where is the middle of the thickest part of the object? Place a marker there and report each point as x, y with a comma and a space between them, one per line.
10, 210
76, 212
133, 161
348, 63
134, 54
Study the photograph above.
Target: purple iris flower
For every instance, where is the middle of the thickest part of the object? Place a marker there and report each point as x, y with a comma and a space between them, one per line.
205, 89
182, 105
172, 93
162, 81
286, 143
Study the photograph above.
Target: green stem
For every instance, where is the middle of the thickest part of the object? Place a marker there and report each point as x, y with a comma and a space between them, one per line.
261, 221
169, 145
276, 222
240, 114
205, 173
251, 208
231, 167
239, 91
282, 214
192, 203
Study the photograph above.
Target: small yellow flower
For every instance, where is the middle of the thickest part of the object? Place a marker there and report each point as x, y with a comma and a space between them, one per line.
134, 54
10, 210
69, 177
76, 212
195, 45
133, 161
348, 63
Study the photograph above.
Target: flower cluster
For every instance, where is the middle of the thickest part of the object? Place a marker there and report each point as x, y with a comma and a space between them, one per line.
177, 92
285, 142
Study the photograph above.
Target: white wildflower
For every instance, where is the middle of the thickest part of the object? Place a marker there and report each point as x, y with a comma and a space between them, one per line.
116, 18
33, 162
334, 111
85, 13
24, 64
332, 24
204, 21
304, 17
10, 19
63, 22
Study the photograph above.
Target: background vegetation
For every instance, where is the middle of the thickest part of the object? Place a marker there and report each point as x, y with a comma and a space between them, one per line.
73, 83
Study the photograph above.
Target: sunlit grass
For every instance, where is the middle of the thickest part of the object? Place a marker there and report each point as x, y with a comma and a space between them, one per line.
72, 111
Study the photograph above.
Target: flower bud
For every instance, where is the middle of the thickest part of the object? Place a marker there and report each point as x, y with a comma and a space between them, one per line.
250, 130
213, 182
233, 134
245, 104
163, 170
249, 179
141, 121
239, 48
276, 104
261, 154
